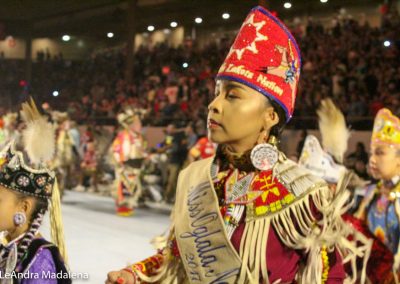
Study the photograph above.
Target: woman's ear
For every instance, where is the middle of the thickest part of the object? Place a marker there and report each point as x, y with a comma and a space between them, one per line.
271, 118
26, 205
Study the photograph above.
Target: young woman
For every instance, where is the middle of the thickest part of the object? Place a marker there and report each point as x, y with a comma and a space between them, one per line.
26, 189
248, 214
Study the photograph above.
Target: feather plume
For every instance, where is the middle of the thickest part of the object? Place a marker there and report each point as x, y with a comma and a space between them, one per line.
39, 134
333, 129
9, 119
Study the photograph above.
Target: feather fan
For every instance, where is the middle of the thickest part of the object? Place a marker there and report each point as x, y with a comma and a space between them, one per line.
333, 129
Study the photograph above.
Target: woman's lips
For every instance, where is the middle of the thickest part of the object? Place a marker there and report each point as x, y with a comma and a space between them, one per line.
212, 124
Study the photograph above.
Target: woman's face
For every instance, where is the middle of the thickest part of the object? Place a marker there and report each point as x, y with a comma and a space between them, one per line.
384, 161
8, 207
236, 115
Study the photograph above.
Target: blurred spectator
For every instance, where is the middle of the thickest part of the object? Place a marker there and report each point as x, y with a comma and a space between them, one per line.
175, 145
358, 160
347, 61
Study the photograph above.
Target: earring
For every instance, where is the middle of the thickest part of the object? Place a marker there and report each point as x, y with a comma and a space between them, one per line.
19, 218
265, 155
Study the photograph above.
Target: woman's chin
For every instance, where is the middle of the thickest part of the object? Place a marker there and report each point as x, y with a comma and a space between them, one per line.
376, 175
216, 137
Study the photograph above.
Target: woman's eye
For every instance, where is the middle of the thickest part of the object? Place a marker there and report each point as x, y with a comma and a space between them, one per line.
231, 96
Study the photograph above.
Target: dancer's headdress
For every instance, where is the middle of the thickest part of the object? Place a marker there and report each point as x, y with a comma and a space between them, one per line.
25, 170
265, 57
386, 129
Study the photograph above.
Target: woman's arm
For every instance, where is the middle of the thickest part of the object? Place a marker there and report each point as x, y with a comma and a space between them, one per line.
149, 268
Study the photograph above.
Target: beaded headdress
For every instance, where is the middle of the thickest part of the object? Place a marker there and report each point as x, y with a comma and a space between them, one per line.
386, 128
25, 170
266, 58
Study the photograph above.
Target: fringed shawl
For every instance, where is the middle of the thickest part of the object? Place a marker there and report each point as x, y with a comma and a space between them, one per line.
311, 222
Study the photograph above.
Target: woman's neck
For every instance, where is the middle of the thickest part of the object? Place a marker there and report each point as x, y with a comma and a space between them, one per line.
247, 144
237, 150
239, 161
390, 183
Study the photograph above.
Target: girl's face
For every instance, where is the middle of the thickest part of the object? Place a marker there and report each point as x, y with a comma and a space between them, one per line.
9, 205
236, 115
384, 161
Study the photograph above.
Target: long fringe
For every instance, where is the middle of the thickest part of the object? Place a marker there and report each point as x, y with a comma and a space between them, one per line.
57, 228
253, 249
311, 222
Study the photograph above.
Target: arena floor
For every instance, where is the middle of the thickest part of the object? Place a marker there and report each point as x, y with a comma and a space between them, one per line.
99, 241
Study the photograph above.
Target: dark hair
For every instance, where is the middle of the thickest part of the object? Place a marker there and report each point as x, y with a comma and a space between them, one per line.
277, 129
41, 206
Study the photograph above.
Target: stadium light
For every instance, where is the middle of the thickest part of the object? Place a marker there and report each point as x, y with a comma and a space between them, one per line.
55, 94
66, 37
150, 28
110, 35
226, 16
173, 24
185, 65
387, 43
198, 20
287, 5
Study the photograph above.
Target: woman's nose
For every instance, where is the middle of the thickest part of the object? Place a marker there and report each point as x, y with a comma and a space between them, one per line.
215, 105
372, 160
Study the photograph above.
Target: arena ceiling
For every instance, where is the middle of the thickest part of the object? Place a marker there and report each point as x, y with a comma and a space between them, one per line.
94, 18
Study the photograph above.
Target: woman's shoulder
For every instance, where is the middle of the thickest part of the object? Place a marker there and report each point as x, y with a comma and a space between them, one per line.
296, 179
43, 260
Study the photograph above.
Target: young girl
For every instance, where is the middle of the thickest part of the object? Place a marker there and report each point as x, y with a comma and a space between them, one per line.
27, 189
380, 208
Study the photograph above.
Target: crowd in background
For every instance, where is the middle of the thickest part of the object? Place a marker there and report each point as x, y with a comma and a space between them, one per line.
346, 61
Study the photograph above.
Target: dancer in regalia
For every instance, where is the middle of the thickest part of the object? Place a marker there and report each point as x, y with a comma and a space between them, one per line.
380, 208
249, 214
27, 190
128, 153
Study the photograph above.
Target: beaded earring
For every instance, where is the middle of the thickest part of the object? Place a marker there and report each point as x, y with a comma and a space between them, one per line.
19, 218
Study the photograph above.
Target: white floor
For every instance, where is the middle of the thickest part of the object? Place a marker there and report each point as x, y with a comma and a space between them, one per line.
98, 241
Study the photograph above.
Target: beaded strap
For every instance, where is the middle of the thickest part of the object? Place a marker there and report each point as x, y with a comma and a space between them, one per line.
133, 273
30, 235
325, 264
